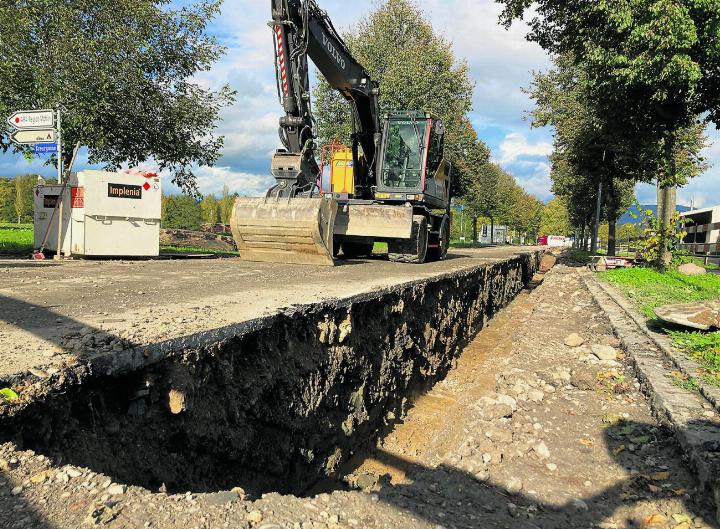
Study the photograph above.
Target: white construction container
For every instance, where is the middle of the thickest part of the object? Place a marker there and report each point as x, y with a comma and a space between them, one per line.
104, 215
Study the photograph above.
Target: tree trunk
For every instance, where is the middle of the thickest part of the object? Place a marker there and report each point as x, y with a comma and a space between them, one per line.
667, 203
612, 218
475, 238
612, 226
492, 230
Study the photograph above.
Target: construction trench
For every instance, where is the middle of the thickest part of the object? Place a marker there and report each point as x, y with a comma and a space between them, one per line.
281, 406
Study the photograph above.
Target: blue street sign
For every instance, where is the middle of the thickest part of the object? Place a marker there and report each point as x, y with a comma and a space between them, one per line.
45, 148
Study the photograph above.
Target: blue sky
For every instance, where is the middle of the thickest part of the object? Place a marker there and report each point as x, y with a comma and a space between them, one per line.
500, 62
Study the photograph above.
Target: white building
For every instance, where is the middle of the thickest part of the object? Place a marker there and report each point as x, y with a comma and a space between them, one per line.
697, 235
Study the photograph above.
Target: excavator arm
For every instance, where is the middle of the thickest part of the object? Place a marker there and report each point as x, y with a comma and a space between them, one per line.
293, 223
302, 30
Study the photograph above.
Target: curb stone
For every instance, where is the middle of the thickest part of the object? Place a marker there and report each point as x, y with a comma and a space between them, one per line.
682, 411
684, 364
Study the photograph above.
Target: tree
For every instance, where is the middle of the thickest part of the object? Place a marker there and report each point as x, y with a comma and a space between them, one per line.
182, 212
653, 66
227, 203
210, 210
123, 73
7, 200
598, 150
24, 197
416, 70
555, 219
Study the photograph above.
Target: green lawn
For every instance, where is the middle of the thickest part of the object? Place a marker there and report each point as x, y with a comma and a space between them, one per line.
16, 239
170, 250
650, 289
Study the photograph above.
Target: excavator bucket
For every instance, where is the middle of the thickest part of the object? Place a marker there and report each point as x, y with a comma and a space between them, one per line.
295, 230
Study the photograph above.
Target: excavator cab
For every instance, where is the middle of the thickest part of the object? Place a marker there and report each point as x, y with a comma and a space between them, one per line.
412, 167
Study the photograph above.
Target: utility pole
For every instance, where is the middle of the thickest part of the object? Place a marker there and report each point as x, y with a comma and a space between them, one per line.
58, 255
596, 228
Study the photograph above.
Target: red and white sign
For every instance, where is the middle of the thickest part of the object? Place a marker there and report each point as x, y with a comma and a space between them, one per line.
77, 197
32, 119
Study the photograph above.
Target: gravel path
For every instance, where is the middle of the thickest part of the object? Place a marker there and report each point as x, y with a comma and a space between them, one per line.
539, 425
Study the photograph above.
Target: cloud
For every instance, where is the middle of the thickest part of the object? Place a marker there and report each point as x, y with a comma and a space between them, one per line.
516, 147
500, 62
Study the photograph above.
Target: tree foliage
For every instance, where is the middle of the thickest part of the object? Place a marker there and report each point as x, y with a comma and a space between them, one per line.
181, 212
122, 72
555, 219
650, 66
24, 202
210, 208
416, 70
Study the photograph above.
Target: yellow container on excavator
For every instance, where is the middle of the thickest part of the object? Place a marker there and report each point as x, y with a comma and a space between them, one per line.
342, 172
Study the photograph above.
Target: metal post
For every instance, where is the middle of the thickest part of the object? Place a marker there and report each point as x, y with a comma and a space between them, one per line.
596, 230
58, 124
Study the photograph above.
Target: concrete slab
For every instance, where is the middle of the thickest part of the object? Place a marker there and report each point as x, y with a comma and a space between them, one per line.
51, 312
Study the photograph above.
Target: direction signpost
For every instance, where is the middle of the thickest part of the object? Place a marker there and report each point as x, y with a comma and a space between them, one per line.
42, 129
33, 136
32, 119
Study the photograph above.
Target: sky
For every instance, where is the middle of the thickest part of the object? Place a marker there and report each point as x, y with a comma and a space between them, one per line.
501, 62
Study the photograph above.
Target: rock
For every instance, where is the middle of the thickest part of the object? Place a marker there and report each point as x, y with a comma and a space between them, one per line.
176, 401
254, 517
508, 401
583, 381
240, 492
73, 472
366, 481
541, 450
116, 490
221, 498
691, 269
574, 340
702, 315
16, 491
514, 485
512, 510
497, 411
535, 395
552, 467
483, 475
580, 505
604, 353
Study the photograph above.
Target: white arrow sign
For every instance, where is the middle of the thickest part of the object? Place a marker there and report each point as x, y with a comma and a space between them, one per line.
29, 137
32, 119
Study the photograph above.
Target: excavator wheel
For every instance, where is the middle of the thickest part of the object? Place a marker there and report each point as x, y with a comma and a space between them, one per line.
439, 252
415, 249
352, 250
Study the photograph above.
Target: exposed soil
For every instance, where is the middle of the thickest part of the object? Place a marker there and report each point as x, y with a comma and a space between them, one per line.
524, 431
53, 313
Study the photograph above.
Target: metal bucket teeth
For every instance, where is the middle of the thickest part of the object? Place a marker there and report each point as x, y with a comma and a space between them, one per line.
294, 231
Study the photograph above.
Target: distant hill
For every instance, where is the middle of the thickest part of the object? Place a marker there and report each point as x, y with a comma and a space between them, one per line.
628, 217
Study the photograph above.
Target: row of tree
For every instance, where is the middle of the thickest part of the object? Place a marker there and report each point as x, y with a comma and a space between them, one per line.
16, 199
185, 212
633, 87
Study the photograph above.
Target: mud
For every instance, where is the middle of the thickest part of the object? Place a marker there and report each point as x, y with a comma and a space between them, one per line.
278, 407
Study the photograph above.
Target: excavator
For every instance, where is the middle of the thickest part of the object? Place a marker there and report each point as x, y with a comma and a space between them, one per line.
400, 179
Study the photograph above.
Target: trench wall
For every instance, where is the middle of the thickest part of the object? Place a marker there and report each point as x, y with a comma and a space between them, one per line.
279, 406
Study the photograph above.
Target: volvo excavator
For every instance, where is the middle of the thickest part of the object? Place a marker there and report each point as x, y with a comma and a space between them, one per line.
401, 180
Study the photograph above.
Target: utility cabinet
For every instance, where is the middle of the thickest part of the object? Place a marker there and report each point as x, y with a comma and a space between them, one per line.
104, 215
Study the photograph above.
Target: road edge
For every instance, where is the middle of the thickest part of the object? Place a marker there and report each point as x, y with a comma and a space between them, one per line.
681, 410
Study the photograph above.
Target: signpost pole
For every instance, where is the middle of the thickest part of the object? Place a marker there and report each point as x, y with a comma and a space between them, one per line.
58, 255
